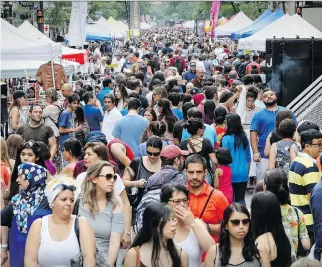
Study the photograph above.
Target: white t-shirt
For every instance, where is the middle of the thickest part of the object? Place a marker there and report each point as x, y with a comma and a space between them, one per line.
117, 188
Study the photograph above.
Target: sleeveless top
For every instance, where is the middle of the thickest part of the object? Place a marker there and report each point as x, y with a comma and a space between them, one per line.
23, 118
54, 253
283, 158
191, 246
253, 263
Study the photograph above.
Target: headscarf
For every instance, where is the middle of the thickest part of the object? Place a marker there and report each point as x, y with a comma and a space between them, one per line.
96, 137
27, 201
57, 185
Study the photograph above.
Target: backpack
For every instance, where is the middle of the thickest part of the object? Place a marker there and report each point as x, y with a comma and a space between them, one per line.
150, 196
60, 112
178, 64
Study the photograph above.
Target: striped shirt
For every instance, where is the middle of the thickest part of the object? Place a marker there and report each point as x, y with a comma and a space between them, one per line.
303, 176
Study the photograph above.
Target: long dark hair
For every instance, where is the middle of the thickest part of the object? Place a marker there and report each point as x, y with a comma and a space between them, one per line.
276, 181
79, 115
220, 115
209, 108
250, 251
267, 218
167, 113
124, 94
234, 126
155, 217
14, 187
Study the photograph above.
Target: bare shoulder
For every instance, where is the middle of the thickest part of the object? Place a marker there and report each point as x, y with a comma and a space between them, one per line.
265, 241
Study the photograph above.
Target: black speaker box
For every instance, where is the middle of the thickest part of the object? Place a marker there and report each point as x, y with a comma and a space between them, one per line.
4, 103
292, 65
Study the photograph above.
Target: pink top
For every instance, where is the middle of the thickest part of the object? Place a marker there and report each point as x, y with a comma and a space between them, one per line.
225, 183
72, 165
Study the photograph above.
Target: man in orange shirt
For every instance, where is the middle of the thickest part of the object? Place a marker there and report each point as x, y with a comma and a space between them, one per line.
205, 202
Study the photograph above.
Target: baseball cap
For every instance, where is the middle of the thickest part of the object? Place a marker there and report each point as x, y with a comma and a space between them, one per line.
172, 152
18, 94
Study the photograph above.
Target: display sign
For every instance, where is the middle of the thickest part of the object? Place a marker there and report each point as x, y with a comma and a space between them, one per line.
135, 17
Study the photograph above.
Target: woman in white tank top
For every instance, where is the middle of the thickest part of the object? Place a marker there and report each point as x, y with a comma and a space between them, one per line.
52, 241
191, 234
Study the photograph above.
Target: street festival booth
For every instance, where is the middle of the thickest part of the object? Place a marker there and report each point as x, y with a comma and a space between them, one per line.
112, 28
285, 27
238, 22
70, 54
238, 34
145, 26
189, 24
122, 27
255, 27
97, 32
21, 55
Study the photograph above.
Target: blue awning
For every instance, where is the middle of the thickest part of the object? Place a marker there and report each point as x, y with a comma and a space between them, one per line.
238, 34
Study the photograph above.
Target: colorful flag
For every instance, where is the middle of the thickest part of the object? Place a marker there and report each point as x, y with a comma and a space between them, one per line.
214, 14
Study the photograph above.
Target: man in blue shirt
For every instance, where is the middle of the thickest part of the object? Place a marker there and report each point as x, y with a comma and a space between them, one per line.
107, 88
316, 207
191, 74
209, 132
91, 113
130, 127
66, 120
263, 123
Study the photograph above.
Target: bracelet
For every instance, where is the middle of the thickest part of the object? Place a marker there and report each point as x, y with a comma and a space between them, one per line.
4, 246
128, 233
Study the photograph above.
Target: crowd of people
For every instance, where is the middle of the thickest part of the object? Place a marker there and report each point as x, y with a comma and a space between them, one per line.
149, 166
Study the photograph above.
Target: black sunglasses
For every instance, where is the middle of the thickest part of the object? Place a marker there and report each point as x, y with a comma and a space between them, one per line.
109, 176
153, 154
64, 187
237, 222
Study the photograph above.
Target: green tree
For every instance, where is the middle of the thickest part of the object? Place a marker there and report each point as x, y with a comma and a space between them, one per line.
57, 15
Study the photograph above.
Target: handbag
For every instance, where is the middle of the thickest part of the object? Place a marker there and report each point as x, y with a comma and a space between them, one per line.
77, 261
133, 194
301, 252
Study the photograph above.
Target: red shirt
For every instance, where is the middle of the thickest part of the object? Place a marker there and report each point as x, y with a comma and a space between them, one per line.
215, 208
250, 67
184, 65
214, 211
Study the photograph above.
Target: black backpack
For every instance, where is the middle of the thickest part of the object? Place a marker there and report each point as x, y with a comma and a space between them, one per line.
178, 64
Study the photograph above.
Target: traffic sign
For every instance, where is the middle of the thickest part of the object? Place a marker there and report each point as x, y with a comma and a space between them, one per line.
40, 13
46, 29
40, 16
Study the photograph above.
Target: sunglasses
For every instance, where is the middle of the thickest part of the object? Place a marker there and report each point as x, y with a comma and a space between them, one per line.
30, 144
237, 222
109, 176
153, 153
64, 187
193, 66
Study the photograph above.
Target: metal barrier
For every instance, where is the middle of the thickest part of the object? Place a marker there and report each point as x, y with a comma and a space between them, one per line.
308, 105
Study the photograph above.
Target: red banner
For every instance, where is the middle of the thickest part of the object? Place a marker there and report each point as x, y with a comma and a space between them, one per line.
79, 58
214, 14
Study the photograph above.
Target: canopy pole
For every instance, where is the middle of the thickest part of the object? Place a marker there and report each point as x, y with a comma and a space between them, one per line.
53, 74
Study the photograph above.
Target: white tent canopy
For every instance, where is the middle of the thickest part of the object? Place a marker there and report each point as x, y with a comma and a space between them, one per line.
237, 23
189, 24
17, 47
113, 29
28, 30
287, 27
145, 26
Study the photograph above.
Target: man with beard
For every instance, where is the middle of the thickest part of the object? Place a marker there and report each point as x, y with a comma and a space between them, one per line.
172, 158
37, 130
262, 124
205, 203
199, 79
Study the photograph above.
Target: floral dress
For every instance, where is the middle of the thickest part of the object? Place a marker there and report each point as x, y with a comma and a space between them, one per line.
293, 226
